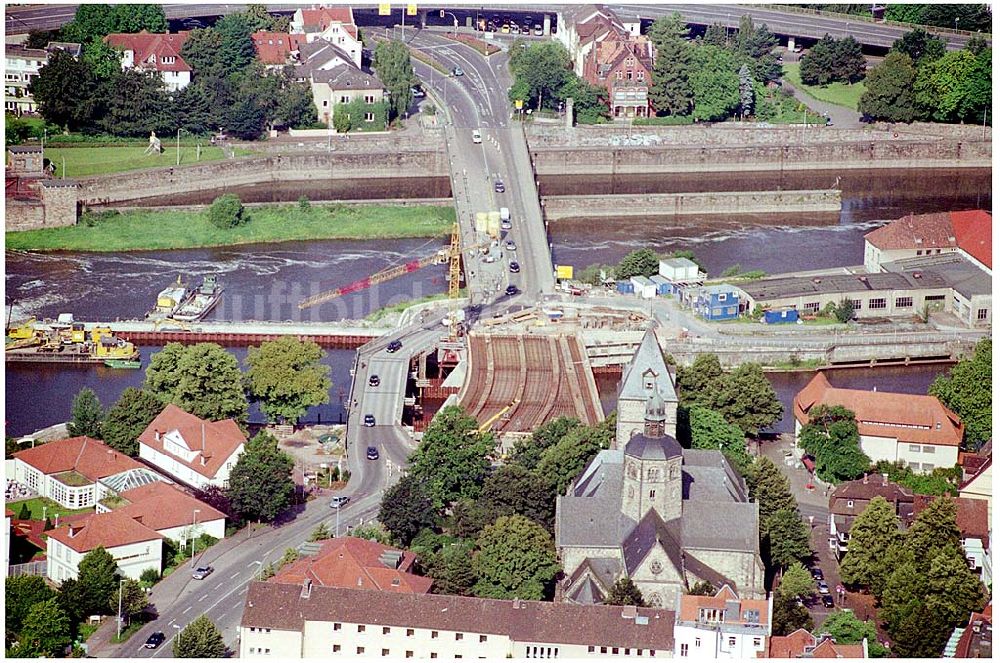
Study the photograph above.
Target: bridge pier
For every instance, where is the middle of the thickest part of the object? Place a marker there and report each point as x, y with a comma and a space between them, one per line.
791, 44
547, 24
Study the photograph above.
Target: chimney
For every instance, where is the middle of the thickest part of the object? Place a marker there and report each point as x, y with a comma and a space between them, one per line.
306, 589
865, 480
156, 434
518, 604
629, 612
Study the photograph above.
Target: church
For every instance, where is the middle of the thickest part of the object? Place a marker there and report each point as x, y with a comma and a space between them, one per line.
664, 516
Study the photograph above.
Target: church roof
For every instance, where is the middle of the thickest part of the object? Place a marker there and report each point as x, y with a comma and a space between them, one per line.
710, 476
591, 514
653, 448
593, 579
721, 526
647, 356
651, 531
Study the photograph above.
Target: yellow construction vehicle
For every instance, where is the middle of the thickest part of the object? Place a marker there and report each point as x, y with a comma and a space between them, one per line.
489, 422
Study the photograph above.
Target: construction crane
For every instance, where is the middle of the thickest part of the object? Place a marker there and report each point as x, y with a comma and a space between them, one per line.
451, 255
489, 422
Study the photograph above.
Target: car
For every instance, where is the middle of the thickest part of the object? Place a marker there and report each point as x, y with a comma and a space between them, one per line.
538, 31
339, 501
155, 640
498, 186
505, 225
202, 572
866, 118
372, 453
510, 245
394, 346
823, 587
514, 29
374, 381
477, 136
369, 420
511, 289
418, 93
827, 601
514, 268
817, 573
457, 71
489, 258
505, 28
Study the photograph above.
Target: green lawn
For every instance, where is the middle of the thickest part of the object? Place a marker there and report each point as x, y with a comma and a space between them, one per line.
148, 230
36, 504
86, 161
841, 94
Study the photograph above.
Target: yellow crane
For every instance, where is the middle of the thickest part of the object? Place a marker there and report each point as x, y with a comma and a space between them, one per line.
489, 422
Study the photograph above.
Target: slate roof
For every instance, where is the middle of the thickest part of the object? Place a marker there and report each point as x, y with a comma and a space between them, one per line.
709, 475
650, 532
91, 458
721, 526
951, 268
591, 514
319, 52
653, 448
347, 77
277, 606
647, 355
221, 439
598, 574
907, 417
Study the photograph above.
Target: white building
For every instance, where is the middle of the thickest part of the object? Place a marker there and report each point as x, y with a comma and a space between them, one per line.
133, 545
967, 232
680, 270
196, 452
159, 53
169, 510
332, 24
21, 66
332, 623
721, 626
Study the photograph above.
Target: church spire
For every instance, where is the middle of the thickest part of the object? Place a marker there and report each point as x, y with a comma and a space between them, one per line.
656, 414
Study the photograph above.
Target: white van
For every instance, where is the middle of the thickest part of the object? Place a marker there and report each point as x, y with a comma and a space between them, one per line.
505, 214
477, 136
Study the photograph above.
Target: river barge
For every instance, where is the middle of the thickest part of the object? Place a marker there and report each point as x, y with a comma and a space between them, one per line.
200, 302
71, 343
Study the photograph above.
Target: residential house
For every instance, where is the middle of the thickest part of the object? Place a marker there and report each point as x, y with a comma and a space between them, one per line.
722, 626
134, 546
715, 302
974, 530
967, 233
21, 66
334, 623
196, 452
169, 510
580, 28
159, 53
979, 486
623, 65
803, 644
78, 472
332, 24
277, 49
915, 429
663, 516
849, 500
975, 640
356, 563
341, 85
316, 56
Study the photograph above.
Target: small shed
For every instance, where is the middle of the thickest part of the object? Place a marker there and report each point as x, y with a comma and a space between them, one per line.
663, 286
625, 287
643, 287
781, 315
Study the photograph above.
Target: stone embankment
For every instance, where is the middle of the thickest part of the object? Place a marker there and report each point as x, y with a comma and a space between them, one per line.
713, 202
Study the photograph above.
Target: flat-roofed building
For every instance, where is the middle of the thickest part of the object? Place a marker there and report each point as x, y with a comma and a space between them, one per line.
970, 298
307, 621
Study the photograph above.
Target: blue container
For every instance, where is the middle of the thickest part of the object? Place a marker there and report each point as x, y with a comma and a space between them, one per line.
663, 286
781, 316
625, 287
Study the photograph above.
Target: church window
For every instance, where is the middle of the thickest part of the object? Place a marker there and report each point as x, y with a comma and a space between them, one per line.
633, 472
655, 567
656, 601
652, 474
631, 492
652, 494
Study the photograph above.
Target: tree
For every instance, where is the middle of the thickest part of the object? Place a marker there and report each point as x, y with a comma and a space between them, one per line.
788, 538
919, 45
21, 593
103, 60
643, 262
933, 530
41, 38
516, 559
976, 44
746, 91
528, 450
135, 105
590, 102
904, 591
748, 400
797, 582
372, 531
133, 599
955, 88
406, 509
753, 49
394, 69
199, 639
286, 376
922, 634
970, 16
295, 107
227, 212
236, 49
714, 83
844, 312
448, 560
134, 410
46, 631
202, 379
888, 91
62, 90
833, 60
788, 616
540, 71
699, 383
953, 591
467, 519
512, 489
710, 430
451, 460
320, 533
260, 484
874, 536
831, 436
25, 512
202, 50
770, 488
563, 462
90, 21
624, 592
716, 34
671, 91
967, 389
98, 580
847, 629
341, 119
702, 588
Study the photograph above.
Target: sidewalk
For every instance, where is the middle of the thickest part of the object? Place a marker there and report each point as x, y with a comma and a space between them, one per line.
841, 116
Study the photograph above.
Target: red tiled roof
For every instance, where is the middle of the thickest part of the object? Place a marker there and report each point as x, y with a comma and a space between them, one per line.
350, 562
982, 468
274, 47
877, 411
318, 20
971, 515
830, 649
108, 530
790, 646
691, 606
220, 438
145, 44
974, 234
91, 458
162, 506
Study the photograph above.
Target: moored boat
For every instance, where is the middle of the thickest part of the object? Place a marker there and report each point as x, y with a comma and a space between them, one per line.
122, 363
200, 302
169, 300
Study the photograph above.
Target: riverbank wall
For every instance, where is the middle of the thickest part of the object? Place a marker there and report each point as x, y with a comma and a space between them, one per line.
715, 202
386, 202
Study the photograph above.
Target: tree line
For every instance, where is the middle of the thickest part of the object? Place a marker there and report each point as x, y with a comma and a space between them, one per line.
544, 79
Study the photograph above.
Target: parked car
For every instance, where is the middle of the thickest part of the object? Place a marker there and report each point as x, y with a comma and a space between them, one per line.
457, 71
538, 31
372, 453
514, 268
823, 587
155, 640
339, 501
394, 346
817, 572
374, 381
202, 572
418, 93
505, 225
511, 289
827, 601
369, 420
498, 186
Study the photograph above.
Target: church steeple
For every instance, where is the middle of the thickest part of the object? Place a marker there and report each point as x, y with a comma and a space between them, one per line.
656, 414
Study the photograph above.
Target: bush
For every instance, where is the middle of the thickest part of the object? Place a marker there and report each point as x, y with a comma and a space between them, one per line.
149, 577
303, 203
227, 212
665, 121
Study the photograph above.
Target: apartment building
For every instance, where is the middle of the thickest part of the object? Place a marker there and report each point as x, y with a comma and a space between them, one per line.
721, 626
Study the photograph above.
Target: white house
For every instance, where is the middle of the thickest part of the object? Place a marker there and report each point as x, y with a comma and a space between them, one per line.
680, 270
721, 626
918, 430
196, 452
133, 545
79, 471
159, 53
966, 232
333, 24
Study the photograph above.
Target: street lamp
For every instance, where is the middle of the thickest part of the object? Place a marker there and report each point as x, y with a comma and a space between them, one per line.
956, 24
121, 581
194, 523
